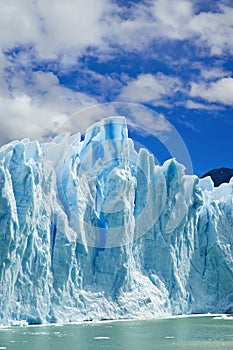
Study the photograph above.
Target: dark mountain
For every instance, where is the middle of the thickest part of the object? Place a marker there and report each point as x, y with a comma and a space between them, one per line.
219, 175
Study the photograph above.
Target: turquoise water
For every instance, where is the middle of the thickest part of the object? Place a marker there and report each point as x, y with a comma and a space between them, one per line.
176, 333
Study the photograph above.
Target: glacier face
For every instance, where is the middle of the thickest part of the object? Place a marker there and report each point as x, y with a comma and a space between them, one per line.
91, 229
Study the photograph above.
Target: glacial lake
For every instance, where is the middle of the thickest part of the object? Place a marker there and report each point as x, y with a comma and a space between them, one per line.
192, 333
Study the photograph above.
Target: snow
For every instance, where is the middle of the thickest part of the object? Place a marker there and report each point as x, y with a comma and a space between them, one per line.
93, 230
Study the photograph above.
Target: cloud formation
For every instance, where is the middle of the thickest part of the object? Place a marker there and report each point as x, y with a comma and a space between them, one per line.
153, 20
40, 41
53, 27
219, 91
35, 109
152, 89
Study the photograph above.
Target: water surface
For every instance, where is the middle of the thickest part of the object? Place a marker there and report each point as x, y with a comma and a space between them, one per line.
191, 333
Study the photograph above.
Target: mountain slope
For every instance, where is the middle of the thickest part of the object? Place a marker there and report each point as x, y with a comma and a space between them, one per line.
220, 175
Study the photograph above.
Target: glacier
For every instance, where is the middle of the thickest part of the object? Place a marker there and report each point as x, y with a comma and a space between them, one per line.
90, 229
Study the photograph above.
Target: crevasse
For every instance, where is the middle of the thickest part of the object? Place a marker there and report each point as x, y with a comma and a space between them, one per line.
94, 230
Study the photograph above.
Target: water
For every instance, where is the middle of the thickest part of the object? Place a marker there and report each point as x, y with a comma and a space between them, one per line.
191, 333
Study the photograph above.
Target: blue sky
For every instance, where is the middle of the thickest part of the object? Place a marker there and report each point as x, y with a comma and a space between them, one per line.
173, 57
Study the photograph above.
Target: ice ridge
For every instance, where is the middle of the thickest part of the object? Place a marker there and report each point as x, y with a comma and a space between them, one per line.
91, 229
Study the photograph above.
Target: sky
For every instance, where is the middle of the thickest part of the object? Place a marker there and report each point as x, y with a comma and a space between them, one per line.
174, 58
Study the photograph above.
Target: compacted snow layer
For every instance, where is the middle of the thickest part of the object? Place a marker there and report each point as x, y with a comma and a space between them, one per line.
94, 230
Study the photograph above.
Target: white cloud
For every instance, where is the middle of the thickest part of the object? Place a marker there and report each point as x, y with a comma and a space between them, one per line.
154, 20
33, 103
213, 87
20, 118
215, 92
65, 29
35, 110
189, 104
148, 88
172, 17
70, 25
18, 23
214, 73
53, 28
148, 122
145, 22
61, 31
215, 30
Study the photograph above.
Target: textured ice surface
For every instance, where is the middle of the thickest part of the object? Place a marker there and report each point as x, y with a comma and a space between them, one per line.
94, 230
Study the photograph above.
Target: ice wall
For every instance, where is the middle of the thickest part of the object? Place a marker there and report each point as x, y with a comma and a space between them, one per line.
94, 230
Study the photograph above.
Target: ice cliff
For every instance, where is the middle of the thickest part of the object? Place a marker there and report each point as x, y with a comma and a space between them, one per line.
91, 229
